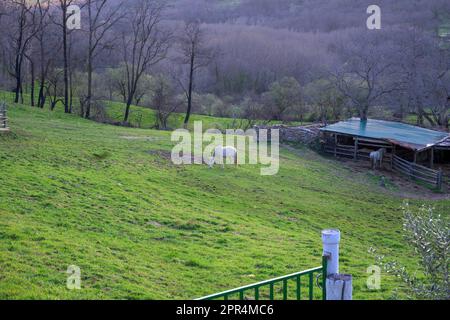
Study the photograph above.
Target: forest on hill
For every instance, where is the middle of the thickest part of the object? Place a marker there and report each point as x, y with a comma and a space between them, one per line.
288, 60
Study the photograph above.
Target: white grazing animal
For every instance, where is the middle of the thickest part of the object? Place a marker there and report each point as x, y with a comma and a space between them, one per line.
225, 152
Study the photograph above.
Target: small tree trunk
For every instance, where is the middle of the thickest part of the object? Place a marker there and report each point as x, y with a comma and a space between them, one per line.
32, 83
18, 82
89, 89
66, 60
191, 80
127, 109
363, 114
89, 64
41, 97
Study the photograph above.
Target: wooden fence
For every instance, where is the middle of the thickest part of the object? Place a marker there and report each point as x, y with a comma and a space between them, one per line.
352, 153
415, 171
361, 151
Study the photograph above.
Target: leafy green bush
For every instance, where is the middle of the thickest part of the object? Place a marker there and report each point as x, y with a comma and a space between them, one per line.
428, 234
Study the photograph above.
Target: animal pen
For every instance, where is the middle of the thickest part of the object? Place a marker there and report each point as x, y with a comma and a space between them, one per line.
416, 152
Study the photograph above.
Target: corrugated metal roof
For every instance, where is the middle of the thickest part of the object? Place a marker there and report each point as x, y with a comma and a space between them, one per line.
445, 144
402, 134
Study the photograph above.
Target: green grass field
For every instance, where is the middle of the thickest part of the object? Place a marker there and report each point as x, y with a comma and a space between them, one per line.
108, 199
145, 118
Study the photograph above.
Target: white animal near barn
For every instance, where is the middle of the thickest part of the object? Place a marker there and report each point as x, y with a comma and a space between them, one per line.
376, 157
225, 153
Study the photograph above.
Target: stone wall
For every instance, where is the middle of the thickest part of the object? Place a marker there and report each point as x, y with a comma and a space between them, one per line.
299, 134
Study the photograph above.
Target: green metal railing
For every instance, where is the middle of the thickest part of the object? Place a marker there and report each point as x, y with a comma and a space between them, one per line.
295, 279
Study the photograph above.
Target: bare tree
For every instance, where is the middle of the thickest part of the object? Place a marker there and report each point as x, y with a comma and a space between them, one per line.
437, 89
284, 97
65, 17
163, 101
101, 19
144, 45
367, 73
32, 70
44, 55
195, 54
116, 82
23, 18
52, 87
425, 73
252, 112
325, 99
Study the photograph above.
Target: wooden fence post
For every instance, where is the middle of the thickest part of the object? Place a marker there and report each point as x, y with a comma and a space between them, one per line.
392, 157
432, 158
439, 179
335, 144
338, 286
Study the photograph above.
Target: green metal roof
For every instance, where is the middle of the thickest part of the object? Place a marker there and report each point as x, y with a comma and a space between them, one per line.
402, 134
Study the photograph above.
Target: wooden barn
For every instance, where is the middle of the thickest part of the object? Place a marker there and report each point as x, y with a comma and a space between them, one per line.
420, 153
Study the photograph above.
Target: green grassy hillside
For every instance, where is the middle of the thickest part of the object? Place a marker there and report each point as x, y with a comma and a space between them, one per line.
108, 199
143, 117
146, 118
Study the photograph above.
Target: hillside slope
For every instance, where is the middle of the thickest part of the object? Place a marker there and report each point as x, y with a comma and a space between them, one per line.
108, 199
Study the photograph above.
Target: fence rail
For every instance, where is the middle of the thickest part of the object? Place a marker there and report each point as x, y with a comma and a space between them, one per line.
254, 289
416, 171
349, 152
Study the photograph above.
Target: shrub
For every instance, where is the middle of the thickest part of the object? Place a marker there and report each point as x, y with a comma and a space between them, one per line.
428, 234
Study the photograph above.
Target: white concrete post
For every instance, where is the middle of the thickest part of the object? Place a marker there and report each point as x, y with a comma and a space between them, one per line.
330, 240
338, 286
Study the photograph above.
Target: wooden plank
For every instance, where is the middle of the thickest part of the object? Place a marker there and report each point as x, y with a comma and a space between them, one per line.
343, 146
377, 146
423, 168
403, 167
431, 158
392, 156
373, 140
405, 172
406, 165
335, 143
416, 169
397, 158
415, 175
425, 174
337, 153
439, 182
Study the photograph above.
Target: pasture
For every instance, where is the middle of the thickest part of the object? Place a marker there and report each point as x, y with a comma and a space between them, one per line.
108, 199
